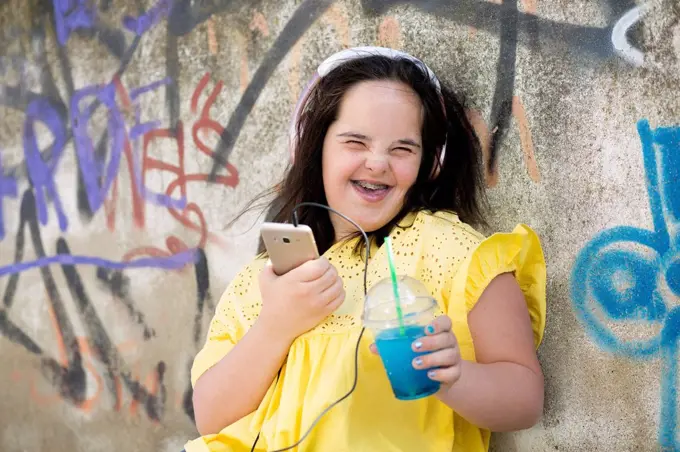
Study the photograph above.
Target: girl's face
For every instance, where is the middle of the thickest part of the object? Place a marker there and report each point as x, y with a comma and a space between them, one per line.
372, 154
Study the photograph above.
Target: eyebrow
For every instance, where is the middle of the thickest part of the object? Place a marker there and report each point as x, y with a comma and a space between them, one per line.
354, 135
406, 141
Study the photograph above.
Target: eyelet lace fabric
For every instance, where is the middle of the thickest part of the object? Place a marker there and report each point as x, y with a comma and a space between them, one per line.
454, 262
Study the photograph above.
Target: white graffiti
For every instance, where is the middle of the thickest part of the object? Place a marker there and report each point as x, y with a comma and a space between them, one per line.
620, 41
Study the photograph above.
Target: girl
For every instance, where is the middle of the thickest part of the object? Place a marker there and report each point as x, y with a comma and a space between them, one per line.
380, 139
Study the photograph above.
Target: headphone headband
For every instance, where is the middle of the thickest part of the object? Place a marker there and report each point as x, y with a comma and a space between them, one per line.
338, 59
347, 55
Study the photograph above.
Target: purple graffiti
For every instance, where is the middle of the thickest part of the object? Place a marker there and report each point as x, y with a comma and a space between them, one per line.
141, 24
98, 175
70, 15
137, 131
95, 171
41, 173
8, 189
174, 262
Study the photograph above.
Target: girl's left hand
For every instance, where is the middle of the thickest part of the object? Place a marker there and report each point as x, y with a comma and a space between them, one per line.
444, 358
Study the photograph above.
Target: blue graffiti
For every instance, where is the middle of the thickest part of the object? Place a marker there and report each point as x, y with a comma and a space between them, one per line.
138, 130
627, 274
93, 169
144, 22
99, 171
8, 189
41, 173
98, 176
173, 262
71, 15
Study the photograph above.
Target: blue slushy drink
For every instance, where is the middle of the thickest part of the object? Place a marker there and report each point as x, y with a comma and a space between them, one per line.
395, 348
394, 338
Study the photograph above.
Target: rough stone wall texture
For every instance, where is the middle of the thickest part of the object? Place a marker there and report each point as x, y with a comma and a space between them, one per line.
114, 246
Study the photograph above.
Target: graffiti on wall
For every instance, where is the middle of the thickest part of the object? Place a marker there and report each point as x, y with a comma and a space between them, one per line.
115, 160
123, 144
500, 17
629, 275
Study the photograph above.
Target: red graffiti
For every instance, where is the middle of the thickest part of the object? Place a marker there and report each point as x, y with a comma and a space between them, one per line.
191, 215
111, 204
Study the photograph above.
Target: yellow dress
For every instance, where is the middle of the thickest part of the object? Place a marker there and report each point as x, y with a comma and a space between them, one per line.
455, 263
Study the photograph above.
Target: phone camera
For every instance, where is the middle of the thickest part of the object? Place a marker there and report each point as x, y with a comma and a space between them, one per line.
286, 240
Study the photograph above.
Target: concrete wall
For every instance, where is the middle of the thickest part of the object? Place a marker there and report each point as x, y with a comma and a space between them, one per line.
113, 246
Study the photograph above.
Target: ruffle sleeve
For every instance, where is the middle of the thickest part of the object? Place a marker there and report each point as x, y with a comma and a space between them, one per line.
234, 314
517, 252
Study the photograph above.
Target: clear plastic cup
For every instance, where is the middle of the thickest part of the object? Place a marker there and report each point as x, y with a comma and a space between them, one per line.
394, 340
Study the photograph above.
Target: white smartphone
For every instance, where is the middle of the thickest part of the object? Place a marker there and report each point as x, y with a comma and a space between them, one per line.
288, 246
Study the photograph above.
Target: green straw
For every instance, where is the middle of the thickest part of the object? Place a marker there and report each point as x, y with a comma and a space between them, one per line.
395, 285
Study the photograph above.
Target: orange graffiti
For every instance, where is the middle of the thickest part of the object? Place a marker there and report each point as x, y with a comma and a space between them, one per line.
529, 6
242, 45
294, 71
212, 38
338, 19
151, 381
151, 384
389, 33
259, 23
482, 131
525, 139
526, 142
86, 354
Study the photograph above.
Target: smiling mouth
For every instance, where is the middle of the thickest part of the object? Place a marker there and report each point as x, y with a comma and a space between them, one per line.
370, 187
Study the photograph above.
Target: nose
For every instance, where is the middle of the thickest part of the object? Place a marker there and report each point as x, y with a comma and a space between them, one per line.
377, 162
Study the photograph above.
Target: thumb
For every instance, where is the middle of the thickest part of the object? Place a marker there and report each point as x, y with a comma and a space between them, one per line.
267, 273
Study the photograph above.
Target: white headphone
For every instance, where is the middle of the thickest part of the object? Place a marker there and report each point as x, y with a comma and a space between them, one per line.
340, 58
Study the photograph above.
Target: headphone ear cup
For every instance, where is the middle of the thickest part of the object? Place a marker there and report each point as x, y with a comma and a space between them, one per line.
436, 168
299, 108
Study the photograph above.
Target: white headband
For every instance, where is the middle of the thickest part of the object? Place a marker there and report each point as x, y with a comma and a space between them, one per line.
342, 57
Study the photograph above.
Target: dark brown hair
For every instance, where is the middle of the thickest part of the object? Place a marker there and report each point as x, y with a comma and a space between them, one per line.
458, 186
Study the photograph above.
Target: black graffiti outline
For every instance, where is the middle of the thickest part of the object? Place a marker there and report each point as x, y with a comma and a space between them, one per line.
501, 106
70, 381
529, 30
204, 305
18, 98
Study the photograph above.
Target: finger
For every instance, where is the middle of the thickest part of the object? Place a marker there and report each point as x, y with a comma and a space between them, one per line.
324, 282
446, 375
311, 270
437, 342
373, 349
336, 302
439, 325
442, 358
267, 273
331, 293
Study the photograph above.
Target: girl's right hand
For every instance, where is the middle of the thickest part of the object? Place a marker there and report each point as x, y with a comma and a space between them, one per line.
299, 300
